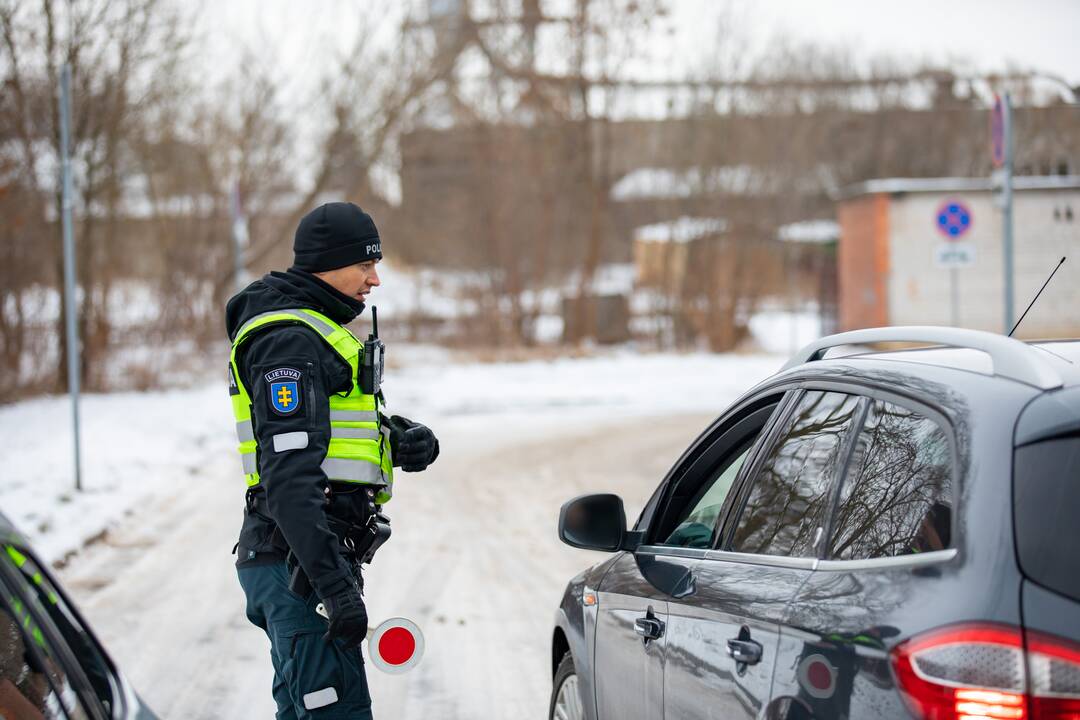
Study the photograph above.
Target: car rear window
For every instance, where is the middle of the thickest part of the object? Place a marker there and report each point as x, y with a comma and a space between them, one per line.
1046, 491
897, 496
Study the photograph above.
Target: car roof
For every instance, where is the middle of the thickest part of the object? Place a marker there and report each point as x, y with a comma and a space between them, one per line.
1062, 355
1046, 373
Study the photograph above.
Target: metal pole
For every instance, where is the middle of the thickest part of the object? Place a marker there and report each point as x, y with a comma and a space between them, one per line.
954, 293
240, 238
69, 266
793, 337
1007, 209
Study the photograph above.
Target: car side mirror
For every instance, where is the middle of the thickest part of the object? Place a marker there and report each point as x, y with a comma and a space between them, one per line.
594, 522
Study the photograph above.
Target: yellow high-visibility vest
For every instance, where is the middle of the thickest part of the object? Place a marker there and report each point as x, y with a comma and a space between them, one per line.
359, 452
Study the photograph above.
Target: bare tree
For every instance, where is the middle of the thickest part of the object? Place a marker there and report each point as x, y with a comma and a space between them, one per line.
156, 155
121, 53
367, 98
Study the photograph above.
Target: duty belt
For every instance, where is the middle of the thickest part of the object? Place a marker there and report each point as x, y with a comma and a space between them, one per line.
359, 543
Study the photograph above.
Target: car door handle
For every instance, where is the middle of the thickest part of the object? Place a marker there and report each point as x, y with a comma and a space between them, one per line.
649, 628
744, 651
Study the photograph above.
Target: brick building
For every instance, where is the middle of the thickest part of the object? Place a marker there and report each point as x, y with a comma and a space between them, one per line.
890, 266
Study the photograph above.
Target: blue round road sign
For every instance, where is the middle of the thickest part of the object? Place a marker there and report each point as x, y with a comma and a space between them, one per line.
953, 219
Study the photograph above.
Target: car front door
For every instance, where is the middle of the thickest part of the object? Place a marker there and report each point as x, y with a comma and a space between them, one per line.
722, 639
632, 617
62, 663
629, 659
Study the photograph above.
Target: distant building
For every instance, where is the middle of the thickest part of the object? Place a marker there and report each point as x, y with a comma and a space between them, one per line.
662, 250
893, 256
809, 257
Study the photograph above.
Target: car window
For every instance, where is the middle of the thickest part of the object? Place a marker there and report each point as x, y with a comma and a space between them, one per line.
695, 530
789, 495
897, 496
33, 684
1047, 495
92, 666
699, 481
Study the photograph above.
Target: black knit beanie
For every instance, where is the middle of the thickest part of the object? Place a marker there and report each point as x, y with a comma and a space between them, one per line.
335, 235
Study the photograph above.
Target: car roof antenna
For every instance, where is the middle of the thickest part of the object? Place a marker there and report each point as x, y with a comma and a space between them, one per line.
1060, 263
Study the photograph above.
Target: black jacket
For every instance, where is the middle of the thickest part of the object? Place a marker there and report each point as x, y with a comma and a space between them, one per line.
292, 496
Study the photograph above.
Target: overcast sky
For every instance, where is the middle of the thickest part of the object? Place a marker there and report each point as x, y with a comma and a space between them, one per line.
991, 34
1038, 34
299, 41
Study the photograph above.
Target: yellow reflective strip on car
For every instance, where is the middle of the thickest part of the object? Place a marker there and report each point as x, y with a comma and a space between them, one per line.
16, 556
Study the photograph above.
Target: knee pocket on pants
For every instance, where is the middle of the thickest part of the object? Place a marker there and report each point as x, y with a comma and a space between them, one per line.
323, 678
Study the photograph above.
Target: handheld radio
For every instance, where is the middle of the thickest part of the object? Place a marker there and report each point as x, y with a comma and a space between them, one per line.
371, 369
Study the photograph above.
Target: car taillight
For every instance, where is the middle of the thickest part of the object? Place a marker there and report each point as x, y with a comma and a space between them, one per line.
984, 672
1053, 667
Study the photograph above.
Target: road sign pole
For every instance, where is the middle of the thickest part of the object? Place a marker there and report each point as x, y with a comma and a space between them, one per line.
954, 293
69, 266
1007, 208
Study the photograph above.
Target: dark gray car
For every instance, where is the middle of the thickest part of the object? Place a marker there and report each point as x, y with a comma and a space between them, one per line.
885, 535
51, 664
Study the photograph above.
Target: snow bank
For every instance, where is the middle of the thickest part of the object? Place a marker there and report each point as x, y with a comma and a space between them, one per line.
617, 384
134, 446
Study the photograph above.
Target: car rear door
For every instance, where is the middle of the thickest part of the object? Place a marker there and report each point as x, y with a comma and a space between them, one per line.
1046, 491
722, 639
887, 568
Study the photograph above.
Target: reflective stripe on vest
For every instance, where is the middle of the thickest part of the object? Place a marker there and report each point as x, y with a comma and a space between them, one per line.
357, 452
353, 416
360, 471
245, 432
353, 433
324, 328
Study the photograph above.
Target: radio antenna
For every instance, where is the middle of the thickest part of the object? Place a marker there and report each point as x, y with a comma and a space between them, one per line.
1060, 263
375, 319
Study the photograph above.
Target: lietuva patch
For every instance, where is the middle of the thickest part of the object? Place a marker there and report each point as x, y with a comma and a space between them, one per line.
283, 384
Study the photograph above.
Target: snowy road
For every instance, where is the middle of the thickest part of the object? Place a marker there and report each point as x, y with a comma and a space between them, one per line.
474, 561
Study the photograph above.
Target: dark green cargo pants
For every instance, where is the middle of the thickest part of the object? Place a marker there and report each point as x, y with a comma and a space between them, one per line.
313, 679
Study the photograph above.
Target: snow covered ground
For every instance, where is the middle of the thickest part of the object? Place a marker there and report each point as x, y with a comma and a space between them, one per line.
143, 445
134, 446
474, 558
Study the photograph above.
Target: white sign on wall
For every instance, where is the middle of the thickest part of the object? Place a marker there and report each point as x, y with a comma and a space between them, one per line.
954, 255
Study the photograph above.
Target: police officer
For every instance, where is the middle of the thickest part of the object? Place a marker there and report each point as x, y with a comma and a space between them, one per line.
318, 455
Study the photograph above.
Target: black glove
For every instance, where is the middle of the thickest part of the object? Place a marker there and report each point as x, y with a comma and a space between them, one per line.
412, 445
348, 617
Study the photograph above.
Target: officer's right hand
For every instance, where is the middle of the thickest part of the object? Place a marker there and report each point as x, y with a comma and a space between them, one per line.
348, 617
